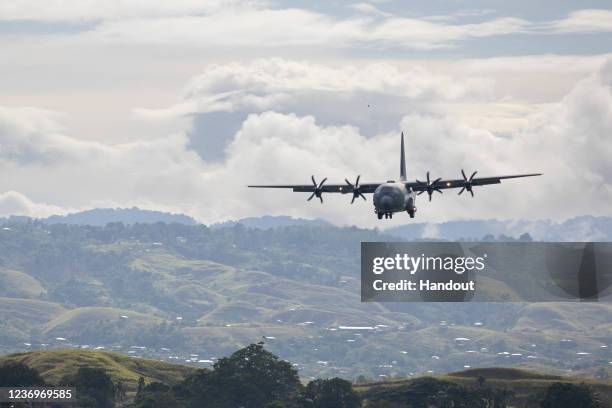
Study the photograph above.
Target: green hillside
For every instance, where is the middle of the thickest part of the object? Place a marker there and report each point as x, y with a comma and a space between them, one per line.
517, 387
74, 321
55, 364
203, 292
19, 284
526, 387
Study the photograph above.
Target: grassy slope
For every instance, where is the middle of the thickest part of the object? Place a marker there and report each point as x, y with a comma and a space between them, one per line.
227, 295
71, 321
19, 284
525, 384
29, 310
560, 318
54, 364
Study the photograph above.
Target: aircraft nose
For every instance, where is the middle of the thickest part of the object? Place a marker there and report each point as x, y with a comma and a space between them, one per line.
386, 203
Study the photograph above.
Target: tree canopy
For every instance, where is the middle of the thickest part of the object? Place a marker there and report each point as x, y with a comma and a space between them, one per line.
567, 395
16, 374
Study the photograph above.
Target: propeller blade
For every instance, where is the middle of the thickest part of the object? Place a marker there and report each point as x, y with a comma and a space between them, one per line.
438, 190
362, 196
436, 180
420, 192
467, 183
355, 188
318, 189
428, 178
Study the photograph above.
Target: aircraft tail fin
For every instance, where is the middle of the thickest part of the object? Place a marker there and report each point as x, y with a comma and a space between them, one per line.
402, 161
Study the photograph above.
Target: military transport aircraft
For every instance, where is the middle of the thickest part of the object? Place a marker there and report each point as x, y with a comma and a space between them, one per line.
395, 196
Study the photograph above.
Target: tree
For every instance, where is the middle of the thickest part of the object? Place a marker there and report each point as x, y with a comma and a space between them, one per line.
94, 385
497, 398
362, 379
164, 399
141, 385
18, 374
251, 378
333, 393
120, 391
195, 388
155, 395
567, 395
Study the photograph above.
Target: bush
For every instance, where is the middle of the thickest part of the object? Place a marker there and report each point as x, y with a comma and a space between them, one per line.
17, 374
334, 393
566, 395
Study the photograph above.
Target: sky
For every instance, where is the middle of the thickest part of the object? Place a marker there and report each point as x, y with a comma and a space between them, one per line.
178, 105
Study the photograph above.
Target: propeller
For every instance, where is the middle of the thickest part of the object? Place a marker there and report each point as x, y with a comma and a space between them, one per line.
356, 189
467, 183
429, 186
318, 189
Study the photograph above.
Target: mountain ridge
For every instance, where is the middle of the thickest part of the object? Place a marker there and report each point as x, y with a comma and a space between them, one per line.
579, 228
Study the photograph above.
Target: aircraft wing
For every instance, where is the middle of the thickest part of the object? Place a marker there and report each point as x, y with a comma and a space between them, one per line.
465, 182
325, 188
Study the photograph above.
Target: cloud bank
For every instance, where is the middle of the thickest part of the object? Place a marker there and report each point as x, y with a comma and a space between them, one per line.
266, 24
569, 141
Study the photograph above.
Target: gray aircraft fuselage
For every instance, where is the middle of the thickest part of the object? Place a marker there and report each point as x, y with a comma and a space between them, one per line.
392, 197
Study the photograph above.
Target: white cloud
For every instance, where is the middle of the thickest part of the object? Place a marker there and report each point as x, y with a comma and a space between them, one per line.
275, 83
71, 10
373, 97
422, 34
470, 13
30, 135
551, 64
558, 140
243, 23
368, 8
15, 203
568, 141
77, 173
582, 21
268, 28
431, 231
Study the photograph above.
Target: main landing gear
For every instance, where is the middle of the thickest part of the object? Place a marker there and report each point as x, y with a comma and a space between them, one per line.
411, 212
386, 215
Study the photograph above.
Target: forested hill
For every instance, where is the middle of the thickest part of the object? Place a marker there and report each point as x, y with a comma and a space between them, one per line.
310, 253
191, 293
253, 377
103, 216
